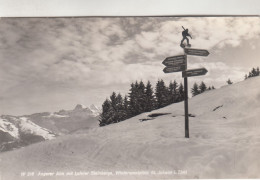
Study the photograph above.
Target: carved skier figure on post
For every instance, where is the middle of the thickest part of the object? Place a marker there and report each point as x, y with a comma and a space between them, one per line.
185, 33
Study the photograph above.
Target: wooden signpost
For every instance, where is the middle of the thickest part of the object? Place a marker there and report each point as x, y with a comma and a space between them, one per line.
175, 60
196, 52
179, 63
175, 64
168, 69
194, 72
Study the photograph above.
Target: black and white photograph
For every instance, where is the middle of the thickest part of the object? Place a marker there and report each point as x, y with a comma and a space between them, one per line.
154, 97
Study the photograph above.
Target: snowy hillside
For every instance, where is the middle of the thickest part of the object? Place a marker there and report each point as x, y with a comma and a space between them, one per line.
19, 131
224, 143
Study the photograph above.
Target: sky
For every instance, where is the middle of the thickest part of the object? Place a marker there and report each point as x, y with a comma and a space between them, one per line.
48, 64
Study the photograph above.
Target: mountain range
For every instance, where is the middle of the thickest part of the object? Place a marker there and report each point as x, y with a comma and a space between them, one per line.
20, 131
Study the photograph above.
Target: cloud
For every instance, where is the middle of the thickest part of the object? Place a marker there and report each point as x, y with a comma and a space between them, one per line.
63, 54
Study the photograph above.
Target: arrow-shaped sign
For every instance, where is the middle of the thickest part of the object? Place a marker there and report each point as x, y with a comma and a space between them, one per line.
175, 61
196, 52
194, 72
169, 69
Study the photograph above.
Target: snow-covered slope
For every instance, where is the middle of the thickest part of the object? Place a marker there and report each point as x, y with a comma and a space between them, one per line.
19, 131
29, 127
8, 127
224, 143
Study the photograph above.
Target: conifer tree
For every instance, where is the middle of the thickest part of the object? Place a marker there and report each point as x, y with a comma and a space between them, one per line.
181, 94
105, 116
133, 100
137, 98
126, 107
113, 99
202, 87
114, 108
149, 98
257, 71
254, 73
120, 109
195, 89
161, 93
250, 75
173, 94
229, 82
141, 99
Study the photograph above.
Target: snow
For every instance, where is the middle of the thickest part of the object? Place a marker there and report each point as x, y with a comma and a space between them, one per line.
29, 127
95, 110
223, 143
9, 128
55, 115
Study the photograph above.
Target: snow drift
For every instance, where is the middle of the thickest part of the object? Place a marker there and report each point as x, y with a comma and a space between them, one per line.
224, 143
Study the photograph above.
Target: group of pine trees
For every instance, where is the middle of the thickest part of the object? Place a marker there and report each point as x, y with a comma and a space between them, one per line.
198, 89
141, 98
254, 72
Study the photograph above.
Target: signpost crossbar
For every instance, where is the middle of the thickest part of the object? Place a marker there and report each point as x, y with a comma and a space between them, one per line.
196, 52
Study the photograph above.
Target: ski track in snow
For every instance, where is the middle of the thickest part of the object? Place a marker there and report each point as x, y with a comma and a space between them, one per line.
224, 143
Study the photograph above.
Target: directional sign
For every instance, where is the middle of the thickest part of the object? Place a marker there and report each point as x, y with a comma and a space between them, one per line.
169, 69
175, 61
194, 72
196, 52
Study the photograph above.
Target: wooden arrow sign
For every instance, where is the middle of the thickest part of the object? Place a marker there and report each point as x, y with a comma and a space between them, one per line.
196, 52
175, 61
194, 72
169, 69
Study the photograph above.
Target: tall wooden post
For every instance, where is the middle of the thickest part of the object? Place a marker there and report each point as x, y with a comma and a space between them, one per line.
186, 106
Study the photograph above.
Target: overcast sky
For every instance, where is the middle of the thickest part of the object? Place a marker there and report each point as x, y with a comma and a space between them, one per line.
48, 64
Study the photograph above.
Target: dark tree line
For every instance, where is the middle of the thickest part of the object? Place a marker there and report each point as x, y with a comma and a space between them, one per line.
141, 98
198, 89
254, 72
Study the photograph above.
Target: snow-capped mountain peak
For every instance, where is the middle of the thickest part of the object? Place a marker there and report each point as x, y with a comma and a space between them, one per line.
96, 110
93, 110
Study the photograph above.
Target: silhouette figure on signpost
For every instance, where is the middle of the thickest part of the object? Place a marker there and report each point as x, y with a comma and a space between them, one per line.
185, 35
